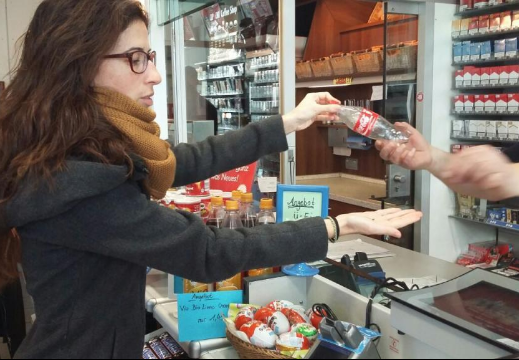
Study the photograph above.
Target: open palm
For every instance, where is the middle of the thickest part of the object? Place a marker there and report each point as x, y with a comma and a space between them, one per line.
382, 222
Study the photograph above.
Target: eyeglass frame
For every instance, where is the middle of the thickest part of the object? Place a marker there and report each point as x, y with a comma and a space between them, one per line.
150, 55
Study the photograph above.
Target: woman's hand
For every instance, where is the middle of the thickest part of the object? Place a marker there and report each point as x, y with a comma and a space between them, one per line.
315, 107
382, 222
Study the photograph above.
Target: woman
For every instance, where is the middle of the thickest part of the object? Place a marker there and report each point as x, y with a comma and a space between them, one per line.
79, 158
481, 171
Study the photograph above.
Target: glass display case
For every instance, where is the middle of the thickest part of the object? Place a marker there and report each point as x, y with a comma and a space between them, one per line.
224, 68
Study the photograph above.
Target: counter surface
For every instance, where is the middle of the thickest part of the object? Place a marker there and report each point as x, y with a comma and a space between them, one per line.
349, 189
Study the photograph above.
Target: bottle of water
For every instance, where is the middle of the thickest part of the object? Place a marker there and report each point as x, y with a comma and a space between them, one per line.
369, 124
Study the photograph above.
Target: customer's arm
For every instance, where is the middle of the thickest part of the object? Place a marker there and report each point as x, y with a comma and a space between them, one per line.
196, 162
125, 225
481, 172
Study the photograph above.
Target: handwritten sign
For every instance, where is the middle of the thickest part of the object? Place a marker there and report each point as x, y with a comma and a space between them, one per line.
296, 202
238, 179
200, 316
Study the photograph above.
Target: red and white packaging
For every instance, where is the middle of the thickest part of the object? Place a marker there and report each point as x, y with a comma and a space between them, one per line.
455, 149
480, 4
506, 20
490, 103
205, 207
514, 74
189, 204
467, 76
200, 188
501, 103
479, 103
466, 5
485, 76
495, 22
476, 76
513, 103
366, 123
474, 25
494, 75
459, 104
469, 103
458, 78
484, 24
504, 75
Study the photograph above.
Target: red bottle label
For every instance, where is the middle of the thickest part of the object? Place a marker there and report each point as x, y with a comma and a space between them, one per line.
366, 122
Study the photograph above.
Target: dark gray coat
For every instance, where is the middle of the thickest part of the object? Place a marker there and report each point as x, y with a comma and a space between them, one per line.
86, 245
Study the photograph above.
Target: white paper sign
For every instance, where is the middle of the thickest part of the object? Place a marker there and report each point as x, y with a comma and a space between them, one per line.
378, 93
268, 184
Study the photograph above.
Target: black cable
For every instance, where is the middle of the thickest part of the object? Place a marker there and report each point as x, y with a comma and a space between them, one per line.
376, 290
324, 311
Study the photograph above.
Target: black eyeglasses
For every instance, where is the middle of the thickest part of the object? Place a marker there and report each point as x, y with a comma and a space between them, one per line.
138, 59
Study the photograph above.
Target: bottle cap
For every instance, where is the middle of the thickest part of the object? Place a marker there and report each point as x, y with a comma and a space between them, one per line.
266, 204
217, 201
247, 198
236, 195
232, 205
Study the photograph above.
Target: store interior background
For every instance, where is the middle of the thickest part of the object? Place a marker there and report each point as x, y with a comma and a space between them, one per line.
331, 26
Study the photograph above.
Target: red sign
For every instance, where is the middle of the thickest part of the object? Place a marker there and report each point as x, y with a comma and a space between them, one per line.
420, 97
238, 179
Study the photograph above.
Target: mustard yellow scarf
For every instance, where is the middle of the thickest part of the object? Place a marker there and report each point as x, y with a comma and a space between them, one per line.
137, 123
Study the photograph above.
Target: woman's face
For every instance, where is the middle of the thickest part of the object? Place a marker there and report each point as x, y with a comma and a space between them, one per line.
116, 74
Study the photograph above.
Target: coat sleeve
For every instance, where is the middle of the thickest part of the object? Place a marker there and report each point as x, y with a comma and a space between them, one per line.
218, 154
123, 224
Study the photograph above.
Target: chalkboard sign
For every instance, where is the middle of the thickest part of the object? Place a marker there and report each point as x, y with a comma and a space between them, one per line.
200, 316
296, 202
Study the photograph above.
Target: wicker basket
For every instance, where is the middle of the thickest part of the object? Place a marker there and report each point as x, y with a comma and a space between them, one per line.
249, 351
368, 61
342, 64
403, 56
322, 67
304, 70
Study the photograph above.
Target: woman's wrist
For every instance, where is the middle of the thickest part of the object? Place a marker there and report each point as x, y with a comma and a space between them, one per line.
287, 122
330, 228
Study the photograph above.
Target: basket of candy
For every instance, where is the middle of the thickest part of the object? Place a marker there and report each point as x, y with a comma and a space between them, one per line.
281, 330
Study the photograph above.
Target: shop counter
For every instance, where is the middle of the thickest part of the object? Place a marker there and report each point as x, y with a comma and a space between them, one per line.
348, 305
156, 289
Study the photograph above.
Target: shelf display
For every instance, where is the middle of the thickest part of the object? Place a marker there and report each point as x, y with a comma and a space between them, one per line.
486, 109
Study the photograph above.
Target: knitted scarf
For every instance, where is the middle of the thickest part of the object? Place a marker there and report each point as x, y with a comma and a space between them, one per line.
137, 123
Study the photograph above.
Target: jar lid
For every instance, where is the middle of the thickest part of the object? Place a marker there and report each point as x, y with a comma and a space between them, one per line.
217, 201
247, 198
232, 205
236, 195
266, 204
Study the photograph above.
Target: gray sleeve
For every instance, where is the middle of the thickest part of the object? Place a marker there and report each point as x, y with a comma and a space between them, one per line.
123, 224
218, 154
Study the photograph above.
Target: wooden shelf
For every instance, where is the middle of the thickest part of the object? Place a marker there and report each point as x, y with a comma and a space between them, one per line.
368, 79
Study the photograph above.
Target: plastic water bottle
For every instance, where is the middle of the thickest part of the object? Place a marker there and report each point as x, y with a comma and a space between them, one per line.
369, 124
